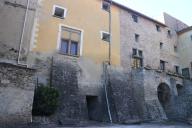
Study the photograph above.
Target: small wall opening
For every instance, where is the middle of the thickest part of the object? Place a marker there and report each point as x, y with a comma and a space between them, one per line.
92, 103
179, 89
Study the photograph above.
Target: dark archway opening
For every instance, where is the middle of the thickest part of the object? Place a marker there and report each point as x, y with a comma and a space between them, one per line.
179, 89
164, 94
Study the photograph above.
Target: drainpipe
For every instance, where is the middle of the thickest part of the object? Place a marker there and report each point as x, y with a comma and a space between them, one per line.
109, 63
106, 92
22, 35
110, 32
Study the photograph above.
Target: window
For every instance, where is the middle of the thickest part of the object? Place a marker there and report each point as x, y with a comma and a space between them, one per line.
64, 46
185, 72
162, 65
191, 37
74, 48
158, 28
59, 12
177, 69
105, 36
106, 6
140, 53
134, 52
70, 41
191, 65
179, 89
137, 58
137, 63
161, 45
169, 33
175, 48
135, 18
136, 37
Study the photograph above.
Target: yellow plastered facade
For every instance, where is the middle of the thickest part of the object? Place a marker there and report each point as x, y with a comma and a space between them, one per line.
85, 15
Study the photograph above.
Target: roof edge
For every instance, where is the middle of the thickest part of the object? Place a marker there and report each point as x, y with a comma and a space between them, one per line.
185, 30
138, 13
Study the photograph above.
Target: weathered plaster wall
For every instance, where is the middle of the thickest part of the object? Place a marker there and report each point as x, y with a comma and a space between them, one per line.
185, 52
16, 93
149, 42
12, 13
93, 47
75, 78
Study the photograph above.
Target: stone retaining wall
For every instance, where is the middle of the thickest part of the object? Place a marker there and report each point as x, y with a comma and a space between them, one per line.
16, 93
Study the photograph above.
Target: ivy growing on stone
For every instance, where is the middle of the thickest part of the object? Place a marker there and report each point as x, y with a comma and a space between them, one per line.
45, 101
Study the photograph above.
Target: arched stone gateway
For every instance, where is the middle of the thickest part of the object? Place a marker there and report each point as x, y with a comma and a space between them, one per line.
164, 94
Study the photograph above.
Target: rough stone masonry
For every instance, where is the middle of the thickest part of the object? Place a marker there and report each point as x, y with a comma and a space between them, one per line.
16, 93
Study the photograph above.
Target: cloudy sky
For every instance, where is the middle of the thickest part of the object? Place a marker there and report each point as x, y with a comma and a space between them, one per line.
181, 9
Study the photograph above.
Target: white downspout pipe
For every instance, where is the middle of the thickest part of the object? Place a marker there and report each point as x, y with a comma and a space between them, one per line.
106, 92
22, 35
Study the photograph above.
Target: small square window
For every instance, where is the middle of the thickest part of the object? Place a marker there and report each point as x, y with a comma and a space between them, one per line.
158, 28
175, 48
134, 52
186, 73
169, 33
105, 36
136, 37
106, 6
162, 65
177, 69
191, 65
161, 45
140, 53
59, 12
135, 18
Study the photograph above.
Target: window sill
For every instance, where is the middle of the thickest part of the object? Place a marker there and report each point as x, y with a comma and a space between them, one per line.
58, 17
75, 56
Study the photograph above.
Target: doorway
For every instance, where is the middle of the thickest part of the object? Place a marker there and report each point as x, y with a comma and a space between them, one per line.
164, 94
92, 103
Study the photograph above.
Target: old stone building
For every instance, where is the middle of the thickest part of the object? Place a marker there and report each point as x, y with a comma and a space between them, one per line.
67, 42
16, 80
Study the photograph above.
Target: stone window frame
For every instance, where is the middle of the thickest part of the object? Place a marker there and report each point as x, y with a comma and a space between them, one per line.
158, 28
135, 18
64, 9
102, 34
177, 69
161, 45
163, 65
191, 65
191, 37
81, 38
137, 37
175, 48
169, 34
137, 58
102, 5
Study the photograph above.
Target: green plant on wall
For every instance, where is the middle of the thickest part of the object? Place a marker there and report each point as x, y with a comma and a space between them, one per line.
45, 101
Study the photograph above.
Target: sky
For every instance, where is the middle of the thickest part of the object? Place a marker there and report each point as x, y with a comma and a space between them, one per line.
180, 9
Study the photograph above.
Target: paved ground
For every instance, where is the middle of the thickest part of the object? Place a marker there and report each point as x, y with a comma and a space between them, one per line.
147, 125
